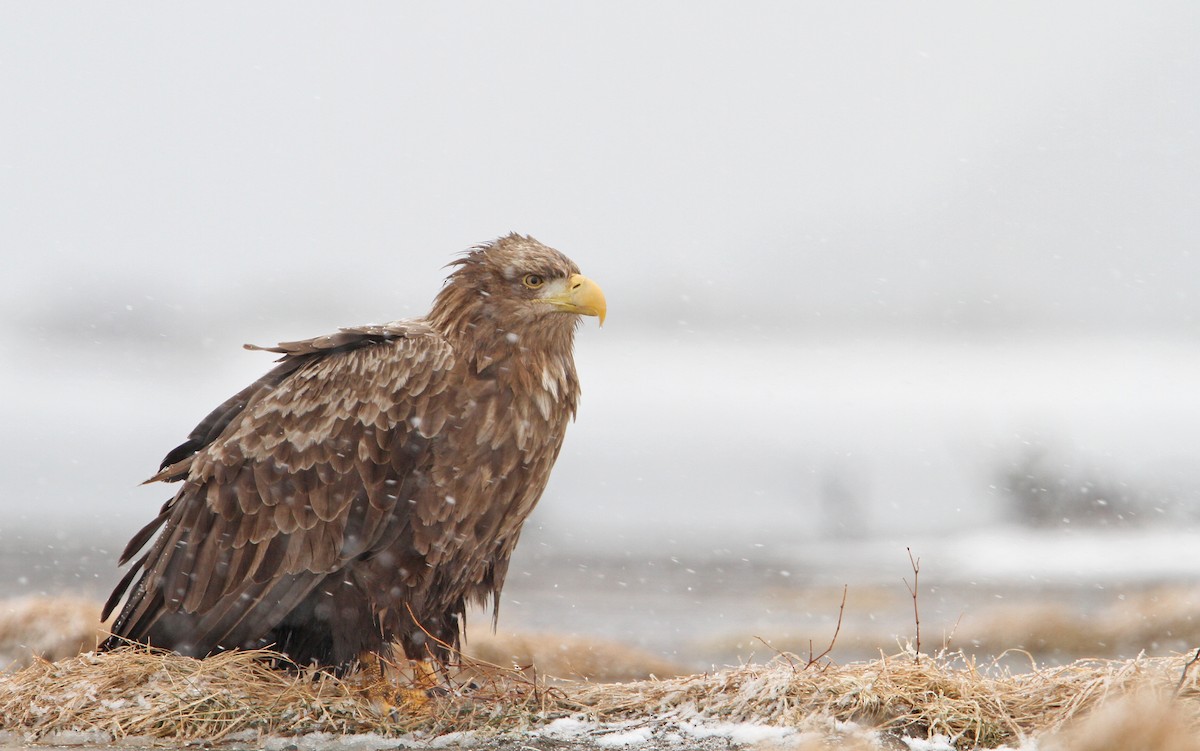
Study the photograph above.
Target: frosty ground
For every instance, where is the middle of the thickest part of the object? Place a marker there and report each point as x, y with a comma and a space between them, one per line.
944, 702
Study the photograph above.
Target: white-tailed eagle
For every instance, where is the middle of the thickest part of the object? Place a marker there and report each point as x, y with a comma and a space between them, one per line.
373, 483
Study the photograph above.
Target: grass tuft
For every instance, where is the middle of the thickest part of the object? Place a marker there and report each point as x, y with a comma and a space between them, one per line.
143, 692
136, 691
1087, 705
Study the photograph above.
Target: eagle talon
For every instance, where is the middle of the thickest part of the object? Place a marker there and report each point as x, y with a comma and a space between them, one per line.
392, 699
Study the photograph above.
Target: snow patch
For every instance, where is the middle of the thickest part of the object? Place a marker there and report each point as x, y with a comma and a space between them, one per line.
936, 743
453, 740
333, 741
738, 732
943, 743
629, 737
76, 738
566, 727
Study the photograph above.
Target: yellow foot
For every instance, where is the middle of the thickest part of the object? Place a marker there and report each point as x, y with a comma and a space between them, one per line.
405, 689
427, 676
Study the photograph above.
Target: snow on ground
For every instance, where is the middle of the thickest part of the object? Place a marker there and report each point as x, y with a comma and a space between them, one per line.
564, 734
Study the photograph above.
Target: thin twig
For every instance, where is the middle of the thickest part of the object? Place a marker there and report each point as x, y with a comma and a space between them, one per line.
912, 590
1183, 678
836, 631
779, 653
947, 638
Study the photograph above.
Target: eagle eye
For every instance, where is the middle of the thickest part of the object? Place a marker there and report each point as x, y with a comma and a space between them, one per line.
533, 281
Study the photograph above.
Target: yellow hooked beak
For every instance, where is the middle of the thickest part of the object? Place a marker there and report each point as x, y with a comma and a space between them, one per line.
579, 295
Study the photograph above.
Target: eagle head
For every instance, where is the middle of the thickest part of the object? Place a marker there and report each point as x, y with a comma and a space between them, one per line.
519, 285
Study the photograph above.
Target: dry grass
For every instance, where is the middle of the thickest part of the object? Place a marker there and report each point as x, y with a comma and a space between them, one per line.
139, 692
47, 627
570, 657
136, 692
1089, 705
53, 628
1162, 618
1055, 625
948, 695
1139, 722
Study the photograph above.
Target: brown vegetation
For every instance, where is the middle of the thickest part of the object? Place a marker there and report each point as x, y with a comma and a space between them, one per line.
569, 657
1088, 705
48, 627
1054, 625
139, 692
1140, 721
1160, 619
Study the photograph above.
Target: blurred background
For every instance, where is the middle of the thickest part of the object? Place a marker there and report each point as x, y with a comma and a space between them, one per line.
881, 276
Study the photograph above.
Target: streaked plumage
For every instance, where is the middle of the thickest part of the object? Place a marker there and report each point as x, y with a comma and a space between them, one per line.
375, 481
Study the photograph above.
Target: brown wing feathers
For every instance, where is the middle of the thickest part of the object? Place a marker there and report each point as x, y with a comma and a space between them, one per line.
261, 519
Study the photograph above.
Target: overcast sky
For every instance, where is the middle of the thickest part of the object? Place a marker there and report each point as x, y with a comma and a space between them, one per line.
168, 167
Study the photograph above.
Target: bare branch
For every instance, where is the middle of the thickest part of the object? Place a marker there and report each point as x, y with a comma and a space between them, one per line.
1183, 678
836, 631
779, 653
912, 590
947, 638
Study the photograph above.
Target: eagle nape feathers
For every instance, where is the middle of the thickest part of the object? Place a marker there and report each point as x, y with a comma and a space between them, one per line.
374, 482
